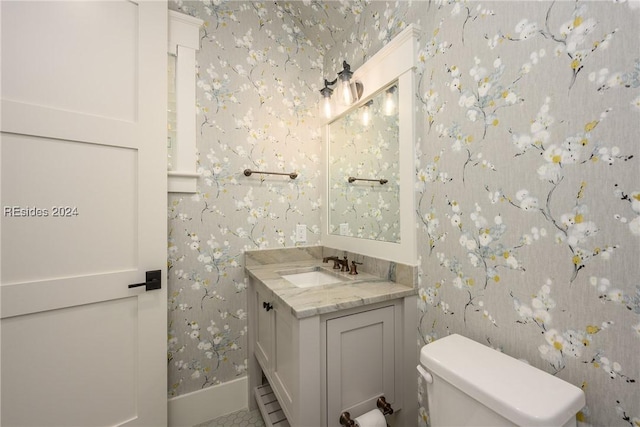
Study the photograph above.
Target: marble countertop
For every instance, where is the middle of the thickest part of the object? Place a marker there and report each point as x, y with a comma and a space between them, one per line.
353, 290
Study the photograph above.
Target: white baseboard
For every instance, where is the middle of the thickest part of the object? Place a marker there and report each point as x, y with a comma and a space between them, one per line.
212, 402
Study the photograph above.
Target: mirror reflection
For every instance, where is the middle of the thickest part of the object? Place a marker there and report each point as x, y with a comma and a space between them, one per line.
363, 170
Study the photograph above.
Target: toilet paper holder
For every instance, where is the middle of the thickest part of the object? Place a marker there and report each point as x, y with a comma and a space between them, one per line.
345, 420
381, 403
384, 406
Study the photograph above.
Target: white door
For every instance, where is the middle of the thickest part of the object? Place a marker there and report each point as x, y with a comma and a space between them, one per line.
83, 192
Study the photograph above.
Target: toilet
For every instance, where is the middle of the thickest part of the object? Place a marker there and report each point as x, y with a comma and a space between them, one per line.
470, 384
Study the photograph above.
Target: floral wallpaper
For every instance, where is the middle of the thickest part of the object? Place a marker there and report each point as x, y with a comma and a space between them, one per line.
528, 189
256, 92
527, 178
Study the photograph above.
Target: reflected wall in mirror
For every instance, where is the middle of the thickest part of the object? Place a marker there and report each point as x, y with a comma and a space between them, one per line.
364, 177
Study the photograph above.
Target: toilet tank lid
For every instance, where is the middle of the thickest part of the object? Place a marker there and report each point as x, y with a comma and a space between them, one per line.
519, 392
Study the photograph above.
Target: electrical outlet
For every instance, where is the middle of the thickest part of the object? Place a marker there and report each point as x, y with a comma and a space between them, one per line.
301, 233
344, 229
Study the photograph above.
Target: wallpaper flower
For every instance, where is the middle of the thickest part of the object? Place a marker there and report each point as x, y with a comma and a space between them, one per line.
527, 179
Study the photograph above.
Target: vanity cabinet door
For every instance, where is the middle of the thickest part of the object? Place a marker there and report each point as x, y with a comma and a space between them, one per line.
360, 362
264, 334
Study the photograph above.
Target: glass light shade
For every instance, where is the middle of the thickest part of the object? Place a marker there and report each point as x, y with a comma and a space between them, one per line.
326, 106
390, 102
345, 92
326, 103
366, 114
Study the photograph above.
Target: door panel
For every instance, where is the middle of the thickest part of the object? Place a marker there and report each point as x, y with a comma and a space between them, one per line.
58, 352
85, 199
109, 44
84, 127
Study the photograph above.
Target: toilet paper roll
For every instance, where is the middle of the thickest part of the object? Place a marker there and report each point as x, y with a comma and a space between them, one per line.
373, 418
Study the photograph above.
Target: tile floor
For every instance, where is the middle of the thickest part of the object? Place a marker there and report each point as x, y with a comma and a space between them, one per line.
243, 418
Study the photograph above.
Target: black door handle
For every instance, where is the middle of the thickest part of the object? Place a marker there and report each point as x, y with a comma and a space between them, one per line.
153, 282
267, 306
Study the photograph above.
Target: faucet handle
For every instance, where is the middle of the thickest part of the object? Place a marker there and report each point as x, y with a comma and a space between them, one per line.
354, 270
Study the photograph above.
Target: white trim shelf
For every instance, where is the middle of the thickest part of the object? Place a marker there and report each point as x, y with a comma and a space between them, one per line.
270, 409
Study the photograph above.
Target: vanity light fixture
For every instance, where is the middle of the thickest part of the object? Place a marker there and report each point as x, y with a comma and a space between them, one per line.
366, 113
390, 101
348, 91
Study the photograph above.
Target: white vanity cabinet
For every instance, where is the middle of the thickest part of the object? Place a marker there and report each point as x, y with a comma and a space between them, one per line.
323, 365
287, 351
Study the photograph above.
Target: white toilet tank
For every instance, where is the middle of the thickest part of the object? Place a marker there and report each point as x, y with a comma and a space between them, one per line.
474, 385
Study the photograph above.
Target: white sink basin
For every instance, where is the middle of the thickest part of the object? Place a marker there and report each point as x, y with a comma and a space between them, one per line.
308, 279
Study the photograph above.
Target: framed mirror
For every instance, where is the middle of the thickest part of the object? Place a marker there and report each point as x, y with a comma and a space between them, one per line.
367, 217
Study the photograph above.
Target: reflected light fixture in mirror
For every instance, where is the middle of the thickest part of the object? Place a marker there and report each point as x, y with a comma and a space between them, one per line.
390, 101
366, 113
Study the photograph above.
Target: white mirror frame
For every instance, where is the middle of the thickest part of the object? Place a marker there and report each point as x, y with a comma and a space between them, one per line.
395, 61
